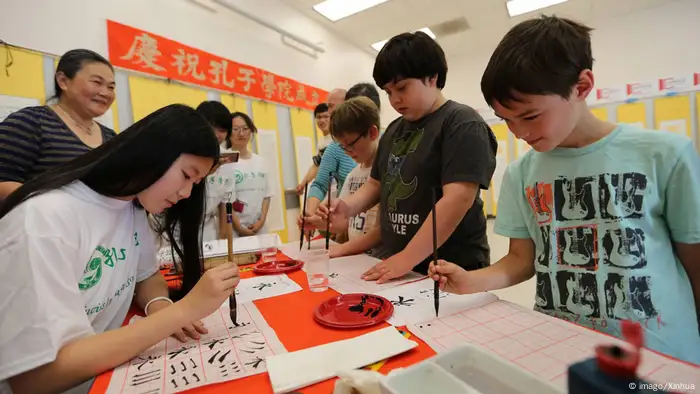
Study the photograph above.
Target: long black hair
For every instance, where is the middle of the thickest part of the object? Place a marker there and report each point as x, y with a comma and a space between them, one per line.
133, 161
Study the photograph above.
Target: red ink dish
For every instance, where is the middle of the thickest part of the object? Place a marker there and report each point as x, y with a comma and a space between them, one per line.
277, 267
353, 311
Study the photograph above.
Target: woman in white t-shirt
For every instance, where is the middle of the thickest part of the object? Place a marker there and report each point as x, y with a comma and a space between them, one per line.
76, 248
252, 187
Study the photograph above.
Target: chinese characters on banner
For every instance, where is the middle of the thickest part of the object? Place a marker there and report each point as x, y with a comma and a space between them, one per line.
151, 54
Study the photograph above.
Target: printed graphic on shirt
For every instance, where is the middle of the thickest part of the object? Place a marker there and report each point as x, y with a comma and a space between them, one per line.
596, 255
577, 247
93, 269
624, 248
573, 199
578, 293
540, 199
622, 195
545, 255
398, 188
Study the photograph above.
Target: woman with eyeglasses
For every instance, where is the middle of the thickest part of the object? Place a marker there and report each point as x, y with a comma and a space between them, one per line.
253, 191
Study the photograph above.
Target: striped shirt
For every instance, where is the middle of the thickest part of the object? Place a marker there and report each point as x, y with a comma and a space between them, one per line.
334, 160
34, 140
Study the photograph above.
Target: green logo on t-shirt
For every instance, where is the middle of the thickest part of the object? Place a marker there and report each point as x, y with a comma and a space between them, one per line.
93, 269
239, 176
398, 189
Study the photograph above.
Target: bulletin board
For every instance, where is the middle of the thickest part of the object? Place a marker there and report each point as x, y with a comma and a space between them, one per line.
265, 118
501, 132
22, 82
632, 113
304, 144
600, 113
149, 95
673, 114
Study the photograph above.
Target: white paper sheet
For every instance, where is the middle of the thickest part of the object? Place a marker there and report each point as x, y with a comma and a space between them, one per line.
413, 302
291, 249
226, 353
260, 287
268, 149
346, 275
292, 371
219, 247
10, 104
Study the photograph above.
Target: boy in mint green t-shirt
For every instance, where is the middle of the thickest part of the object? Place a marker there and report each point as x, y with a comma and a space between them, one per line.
605, 216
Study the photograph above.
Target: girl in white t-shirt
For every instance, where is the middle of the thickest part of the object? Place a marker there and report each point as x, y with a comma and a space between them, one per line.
76, 248
253, 191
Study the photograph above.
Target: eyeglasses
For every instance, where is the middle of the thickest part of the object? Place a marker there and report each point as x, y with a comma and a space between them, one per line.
243, 129
351, 146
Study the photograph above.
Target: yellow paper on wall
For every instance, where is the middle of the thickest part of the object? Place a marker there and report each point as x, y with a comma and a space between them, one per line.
501, 132
149, 95
632, 113
26, 74
673, 114
600, 113
265, 119
234, 103
304, 146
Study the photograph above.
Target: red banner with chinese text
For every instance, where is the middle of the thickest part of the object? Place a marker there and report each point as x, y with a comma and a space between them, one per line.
148, 53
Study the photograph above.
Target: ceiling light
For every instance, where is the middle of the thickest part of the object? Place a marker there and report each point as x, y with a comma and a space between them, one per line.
339, 9
379, 45
519, 7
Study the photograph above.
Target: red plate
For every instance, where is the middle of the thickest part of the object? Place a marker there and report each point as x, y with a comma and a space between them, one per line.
277, 267
353, 311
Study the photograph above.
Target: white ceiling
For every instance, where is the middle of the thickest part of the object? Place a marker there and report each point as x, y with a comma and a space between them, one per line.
488, 19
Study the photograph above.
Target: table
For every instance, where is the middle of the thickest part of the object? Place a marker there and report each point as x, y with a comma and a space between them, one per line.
291, 316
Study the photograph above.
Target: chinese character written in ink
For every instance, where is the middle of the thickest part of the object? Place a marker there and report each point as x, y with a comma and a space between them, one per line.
301, 93
404, 302
146, 377
429, 293
333, 275
181, 351
284, 89
218, 71
146, 360
187, 63
246, 77
233, 367
239, 325
213, 343
255, 363
262, 286
268, 85
221, 358
254, 346
144, 51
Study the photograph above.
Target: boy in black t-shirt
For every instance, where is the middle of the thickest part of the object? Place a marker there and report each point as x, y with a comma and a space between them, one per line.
436, 144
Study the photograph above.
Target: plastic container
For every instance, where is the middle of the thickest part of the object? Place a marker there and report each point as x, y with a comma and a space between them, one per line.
466, 370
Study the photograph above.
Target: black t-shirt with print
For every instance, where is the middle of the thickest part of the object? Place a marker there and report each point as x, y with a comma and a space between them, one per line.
452, 144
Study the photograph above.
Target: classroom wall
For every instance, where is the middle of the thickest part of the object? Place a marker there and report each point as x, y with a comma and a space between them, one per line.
57, 28
643, 46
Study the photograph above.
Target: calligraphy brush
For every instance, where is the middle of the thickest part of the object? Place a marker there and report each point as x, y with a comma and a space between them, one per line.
232, 305
303, 216
328, 219
436, 288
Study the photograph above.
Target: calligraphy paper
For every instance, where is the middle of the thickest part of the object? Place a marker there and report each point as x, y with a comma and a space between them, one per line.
227, 352
541, 344
260, 287
413, 302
